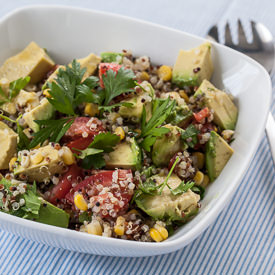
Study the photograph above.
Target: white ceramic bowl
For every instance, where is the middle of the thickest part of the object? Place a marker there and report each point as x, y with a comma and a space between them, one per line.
70, 33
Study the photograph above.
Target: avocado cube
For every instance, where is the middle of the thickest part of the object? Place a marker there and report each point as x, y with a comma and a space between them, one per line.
43, 111
193, 66
33, 61
8, 144
225, 111
143, 98
127, 155
166, 206
111, 57
166, 146
218, 152
51, 163
89, 62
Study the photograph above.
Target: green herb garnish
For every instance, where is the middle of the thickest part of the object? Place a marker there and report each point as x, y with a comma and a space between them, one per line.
52, 130
190, 135
150, 130
93, 155
14, 88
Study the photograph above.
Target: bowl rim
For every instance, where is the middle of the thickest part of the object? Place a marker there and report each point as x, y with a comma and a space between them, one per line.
201, 226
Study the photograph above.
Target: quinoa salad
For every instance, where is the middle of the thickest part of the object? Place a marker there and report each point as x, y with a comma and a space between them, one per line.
112, 144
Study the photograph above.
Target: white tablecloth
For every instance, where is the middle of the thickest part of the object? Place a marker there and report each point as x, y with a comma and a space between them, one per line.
242, 239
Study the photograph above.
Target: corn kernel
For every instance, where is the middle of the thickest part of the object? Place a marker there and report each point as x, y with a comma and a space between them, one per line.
184, 95
46, 93
120, 132
199, 178
12, 163
133, 211
165, 73
162, 231
119, 227
227, 134
37, 158
155, 235
200, 159
94, 228
144, 76
205, 181
91, 109
68, 156
80, 202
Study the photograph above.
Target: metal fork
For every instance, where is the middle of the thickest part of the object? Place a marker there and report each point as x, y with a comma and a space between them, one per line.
261, 49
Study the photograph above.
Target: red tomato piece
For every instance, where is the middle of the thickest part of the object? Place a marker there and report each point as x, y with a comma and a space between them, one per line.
201, 114
82, 132
59, 191
104, 67
109, 192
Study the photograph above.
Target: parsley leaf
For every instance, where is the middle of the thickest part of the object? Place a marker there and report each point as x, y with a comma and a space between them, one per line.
32, 202
182, 188
53, 130
93, 155
190, 135
198, 190
117, 83
17, 85
68, 90
14, 88
149, 129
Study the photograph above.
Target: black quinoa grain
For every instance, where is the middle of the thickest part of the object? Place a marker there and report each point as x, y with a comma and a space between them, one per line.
196, 70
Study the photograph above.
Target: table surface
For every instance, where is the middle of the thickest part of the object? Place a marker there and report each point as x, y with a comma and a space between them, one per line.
241, 240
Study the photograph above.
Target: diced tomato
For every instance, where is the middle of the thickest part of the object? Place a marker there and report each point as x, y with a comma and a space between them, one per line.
82, 132
110, 191
104, 67
59, 191
201, 114
80, 144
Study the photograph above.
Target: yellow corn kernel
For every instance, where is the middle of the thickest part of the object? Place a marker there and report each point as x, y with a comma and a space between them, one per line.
165, 73
80, 202
155, 235
91, 109
12, 163
94, 228
68, 156
184, 95
37, 158
120, 132
198, 179
144, 76
200, 159
162, 231
119, 227
205, 181
46, 93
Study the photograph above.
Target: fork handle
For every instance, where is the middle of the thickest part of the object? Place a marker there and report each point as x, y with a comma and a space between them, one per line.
270, 132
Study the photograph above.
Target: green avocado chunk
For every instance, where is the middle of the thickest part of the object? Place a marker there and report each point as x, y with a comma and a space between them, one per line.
218, 152
143, 98
225, 111
193, 66
127, 155
111, 57
167, 206
166, 146
43, 111
52, 215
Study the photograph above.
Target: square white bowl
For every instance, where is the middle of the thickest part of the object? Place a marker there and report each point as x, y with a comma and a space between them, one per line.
69, 33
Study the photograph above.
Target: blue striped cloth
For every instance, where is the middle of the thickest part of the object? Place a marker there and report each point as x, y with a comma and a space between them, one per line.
241, 240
